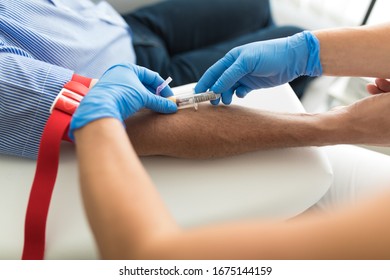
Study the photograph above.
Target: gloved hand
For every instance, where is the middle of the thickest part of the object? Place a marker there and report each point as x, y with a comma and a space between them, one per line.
261, 65
122, 91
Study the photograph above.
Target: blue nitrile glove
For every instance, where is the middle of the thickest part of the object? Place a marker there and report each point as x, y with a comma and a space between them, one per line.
261, 65
122, 91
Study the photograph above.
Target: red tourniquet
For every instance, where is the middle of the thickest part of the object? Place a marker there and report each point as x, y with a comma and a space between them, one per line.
56, 129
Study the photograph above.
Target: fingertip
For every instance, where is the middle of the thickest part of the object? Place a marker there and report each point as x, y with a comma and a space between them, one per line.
169, 107
241, 93
160, 104
373, 89
227, 101
227, 98
216, 101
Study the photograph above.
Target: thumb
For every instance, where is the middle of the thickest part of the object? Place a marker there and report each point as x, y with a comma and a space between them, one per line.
160, 104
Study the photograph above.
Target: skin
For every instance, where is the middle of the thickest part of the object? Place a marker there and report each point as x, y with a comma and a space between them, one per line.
368, 58
130, 220
233, 129
239, 130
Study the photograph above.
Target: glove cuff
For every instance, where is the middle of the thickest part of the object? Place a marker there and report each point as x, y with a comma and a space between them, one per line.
92, 108
313, 66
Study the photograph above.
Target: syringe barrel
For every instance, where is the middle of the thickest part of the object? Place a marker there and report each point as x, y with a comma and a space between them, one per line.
187, 100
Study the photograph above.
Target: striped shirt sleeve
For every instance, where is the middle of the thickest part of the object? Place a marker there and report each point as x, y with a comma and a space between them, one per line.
27, 89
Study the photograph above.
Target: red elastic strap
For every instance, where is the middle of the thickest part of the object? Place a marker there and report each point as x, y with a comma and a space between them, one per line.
43, 185
82, 80
46, 170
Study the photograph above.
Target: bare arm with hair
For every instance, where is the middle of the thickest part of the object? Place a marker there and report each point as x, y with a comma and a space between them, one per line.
218, 131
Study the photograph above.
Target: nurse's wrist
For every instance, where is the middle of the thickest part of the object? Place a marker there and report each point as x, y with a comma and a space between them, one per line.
93, 82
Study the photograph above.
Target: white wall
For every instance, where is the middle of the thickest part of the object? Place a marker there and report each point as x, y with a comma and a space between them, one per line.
380, 13
315, 14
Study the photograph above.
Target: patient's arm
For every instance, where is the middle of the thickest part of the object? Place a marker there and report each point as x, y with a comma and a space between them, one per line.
215, 131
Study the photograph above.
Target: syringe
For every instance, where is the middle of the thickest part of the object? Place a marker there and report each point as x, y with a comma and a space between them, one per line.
187, 100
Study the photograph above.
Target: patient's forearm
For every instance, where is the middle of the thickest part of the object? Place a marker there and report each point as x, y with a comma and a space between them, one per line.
217, 131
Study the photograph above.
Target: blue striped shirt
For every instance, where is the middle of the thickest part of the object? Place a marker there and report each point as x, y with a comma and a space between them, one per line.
42, 43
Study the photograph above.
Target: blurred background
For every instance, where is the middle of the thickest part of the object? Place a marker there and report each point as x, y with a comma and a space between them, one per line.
308, 13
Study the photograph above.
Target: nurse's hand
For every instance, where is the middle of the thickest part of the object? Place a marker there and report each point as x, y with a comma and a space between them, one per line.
261, 65
122, 91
